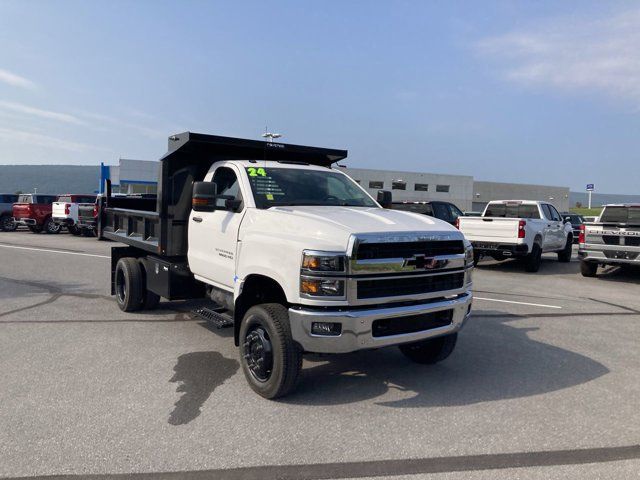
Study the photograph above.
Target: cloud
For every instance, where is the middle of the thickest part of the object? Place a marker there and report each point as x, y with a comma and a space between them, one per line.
30, 138
574, 54
37, 112
16, 80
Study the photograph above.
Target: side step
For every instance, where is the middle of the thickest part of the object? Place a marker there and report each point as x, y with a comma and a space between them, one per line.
219, 318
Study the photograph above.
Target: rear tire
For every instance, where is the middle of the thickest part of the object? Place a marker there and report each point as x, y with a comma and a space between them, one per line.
51, 227
430, 351
476, 259
588, 269
7, 224
271, 360
73, 230
129, 284
564, 256
534, 259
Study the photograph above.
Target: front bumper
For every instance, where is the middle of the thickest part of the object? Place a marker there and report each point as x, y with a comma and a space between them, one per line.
357, 325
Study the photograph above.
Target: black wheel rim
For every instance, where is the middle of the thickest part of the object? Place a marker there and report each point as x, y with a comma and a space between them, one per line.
121, 286
258, 353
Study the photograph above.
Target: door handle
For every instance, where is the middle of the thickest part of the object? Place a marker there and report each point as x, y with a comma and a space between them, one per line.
197, 219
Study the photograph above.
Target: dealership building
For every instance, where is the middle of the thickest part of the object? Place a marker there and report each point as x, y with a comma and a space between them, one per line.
130, 176
462, 190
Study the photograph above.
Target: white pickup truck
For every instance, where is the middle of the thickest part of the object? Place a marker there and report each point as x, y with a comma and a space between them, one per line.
519, 229
292, 254
65, 210
613, 239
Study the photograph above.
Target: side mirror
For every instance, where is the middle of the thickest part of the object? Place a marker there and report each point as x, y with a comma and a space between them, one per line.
204, 197
566, 220
385, 198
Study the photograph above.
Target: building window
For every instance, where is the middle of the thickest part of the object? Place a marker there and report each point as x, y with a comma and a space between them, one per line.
398, 185
376, 184
442, 188
421, 187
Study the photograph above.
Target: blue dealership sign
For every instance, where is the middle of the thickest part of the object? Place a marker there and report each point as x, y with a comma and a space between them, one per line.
590, 187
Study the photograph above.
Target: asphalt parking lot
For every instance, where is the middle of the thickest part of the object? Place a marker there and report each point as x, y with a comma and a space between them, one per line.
544, 383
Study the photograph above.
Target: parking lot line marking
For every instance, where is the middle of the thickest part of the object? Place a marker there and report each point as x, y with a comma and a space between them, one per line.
518, 303
55, 251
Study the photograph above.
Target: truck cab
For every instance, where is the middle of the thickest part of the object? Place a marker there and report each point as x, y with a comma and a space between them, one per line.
446, 211
292, 254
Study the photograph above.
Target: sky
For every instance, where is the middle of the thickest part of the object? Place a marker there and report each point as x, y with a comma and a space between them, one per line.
531, 92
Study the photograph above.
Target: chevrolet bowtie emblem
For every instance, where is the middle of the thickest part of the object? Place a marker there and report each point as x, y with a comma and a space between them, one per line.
421, 262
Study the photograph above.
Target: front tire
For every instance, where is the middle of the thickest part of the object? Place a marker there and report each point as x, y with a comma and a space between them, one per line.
588, 269
35, 228
129, 284
534, 259
564, 255
50, 226
7, 224
74, 230
430, 351
271, 361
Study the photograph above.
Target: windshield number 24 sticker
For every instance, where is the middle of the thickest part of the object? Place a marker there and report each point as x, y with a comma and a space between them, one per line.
256, 172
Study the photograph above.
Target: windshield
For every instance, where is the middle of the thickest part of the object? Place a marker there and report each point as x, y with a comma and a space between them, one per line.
294, 186
507, 210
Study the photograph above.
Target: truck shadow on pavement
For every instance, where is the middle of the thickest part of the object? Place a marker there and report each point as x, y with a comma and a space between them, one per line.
199, 374
493, 361
550, 266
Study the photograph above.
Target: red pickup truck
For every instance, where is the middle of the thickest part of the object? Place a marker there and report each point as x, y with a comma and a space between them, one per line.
34, 211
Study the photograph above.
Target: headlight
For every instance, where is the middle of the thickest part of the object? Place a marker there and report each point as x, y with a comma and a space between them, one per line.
468, 255
321, 287
322, 261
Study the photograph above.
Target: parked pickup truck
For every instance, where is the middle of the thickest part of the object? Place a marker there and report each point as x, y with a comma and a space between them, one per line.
66, 210
294, 255
613, 239
519, 228
34, 211
6, 212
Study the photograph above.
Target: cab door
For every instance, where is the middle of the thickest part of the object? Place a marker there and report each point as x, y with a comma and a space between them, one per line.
213, 236
551, 228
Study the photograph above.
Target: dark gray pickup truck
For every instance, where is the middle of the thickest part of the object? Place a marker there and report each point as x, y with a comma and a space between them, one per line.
613, 239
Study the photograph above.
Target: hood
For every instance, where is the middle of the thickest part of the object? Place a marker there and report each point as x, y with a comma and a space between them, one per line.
332, 226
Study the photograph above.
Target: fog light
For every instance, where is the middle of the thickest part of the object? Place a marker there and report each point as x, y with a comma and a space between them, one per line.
329, 329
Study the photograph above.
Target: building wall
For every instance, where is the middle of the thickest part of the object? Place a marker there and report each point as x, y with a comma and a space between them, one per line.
460, 187
484, 192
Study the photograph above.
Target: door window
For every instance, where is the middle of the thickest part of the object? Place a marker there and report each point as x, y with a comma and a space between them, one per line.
441, 211
227, 184
554, 213
455, 212
547, 211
